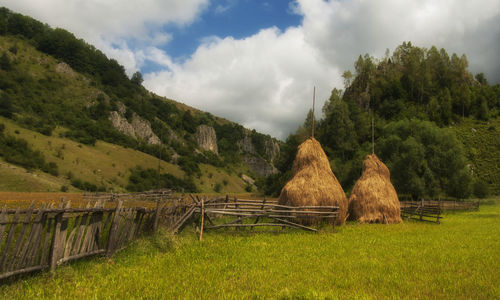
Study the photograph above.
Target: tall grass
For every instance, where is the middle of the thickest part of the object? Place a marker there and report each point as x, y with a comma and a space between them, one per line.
456, 259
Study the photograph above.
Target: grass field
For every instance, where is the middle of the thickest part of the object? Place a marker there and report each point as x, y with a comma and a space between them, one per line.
457, 259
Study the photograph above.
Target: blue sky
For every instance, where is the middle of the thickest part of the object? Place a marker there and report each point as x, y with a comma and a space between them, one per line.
256, 62
238, 19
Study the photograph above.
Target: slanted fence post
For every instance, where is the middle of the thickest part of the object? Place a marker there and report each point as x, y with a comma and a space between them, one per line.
202, 214
113, 231
56, 240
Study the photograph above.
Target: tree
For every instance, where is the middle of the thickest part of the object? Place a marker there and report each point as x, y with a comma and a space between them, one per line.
5, 63
424, 159
6, 108
137, 78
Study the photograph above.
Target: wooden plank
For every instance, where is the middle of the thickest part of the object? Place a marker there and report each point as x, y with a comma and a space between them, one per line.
3, 219
71, 243
10, 236
295, 224
79, 234
22, 271
89, 240
31, 240
44, 258
98, 231
112, 234
55, 244
20, 239
202, 214
184, 219
38, 245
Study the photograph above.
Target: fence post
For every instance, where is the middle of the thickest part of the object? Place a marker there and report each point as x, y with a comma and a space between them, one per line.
113, 230
157, 215
56, 241
202, 213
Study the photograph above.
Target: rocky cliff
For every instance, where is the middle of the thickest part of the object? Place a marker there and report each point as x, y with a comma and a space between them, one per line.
138, 128
206, 138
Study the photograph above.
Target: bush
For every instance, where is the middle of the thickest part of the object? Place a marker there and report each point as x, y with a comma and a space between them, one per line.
480, 189
218, 187
249, 188
64, 189
147, 179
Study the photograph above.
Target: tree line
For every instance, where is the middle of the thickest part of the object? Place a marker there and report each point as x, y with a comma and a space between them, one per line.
413, 96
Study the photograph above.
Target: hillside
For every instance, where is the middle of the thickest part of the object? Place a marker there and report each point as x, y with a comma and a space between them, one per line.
435, 125
95, 127
482, 143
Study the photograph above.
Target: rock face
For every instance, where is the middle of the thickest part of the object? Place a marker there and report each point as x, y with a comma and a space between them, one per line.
272, 150
245, 145
138, 129
206, 138
259, 165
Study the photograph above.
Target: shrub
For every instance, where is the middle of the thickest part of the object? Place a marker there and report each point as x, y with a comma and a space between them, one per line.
218, 187
480, 189
64, 189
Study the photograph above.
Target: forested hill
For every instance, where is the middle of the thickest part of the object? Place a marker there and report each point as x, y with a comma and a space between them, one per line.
429, 112
57, 85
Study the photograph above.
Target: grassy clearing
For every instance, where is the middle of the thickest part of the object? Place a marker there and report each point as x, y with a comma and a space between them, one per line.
456, 259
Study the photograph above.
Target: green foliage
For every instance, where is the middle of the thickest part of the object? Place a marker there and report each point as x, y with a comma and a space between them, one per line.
6, 108
137, 78
218, 187
5, 63
86, 186
189, 165
480, 189
248, 188
424, 160
18, 151
147, 179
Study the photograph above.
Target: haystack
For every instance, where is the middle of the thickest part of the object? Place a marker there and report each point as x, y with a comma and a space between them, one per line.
373, 198
313, 182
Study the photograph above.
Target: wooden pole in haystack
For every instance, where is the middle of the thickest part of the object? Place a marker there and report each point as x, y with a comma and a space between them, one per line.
373, 135
314, 102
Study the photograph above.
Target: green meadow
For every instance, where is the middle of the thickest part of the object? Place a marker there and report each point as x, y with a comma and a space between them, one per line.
457, 259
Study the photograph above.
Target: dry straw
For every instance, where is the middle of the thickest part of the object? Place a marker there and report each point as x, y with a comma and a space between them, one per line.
373, 198
313, 182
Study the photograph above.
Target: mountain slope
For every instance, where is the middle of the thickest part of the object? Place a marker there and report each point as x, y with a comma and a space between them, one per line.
78, 108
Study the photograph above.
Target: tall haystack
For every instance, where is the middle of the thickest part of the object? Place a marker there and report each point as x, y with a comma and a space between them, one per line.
313, 182
373, 198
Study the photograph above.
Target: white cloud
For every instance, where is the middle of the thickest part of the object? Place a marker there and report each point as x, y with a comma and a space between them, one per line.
265, 81
109, 24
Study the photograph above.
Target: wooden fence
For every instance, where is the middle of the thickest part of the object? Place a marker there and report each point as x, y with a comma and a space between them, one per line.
445, 203
247, 213
421, 211
37, 239
42, 238
431, 210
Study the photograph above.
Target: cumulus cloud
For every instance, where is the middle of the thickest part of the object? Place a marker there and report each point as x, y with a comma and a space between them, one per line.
111, 24
265, 80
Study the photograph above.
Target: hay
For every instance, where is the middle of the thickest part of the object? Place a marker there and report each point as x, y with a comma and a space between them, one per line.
313, 182
373, 198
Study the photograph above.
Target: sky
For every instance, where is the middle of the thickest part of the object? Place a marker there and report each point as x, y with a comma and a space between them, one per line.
256, 62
